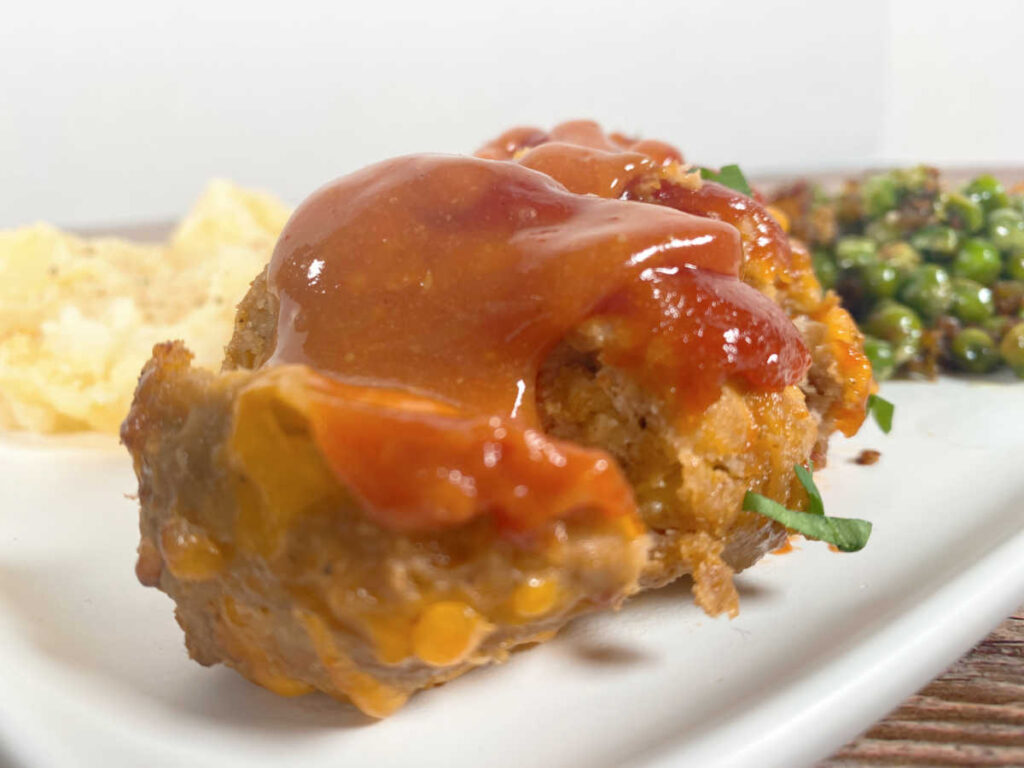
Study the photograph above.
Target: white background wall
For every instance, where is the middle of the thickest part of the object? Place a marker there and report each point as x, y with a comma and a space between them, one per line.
118, 111
955, 81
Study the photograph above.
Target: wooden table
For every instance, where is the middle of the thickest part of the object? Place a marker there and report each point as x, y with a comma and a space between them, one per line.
972, 715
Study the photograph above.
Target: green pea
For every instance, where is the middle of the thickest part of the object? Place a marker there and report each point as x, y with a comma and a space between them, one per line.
961, 212
1006, 229
900, 326
972, 301
917, 178
978, 260
928, 291
880, 354
938, 240
879, 194
901, 255
974, 351
996, 326
987, 192
825, 269
854, 252
1012, 349
1015, 265
880, 280
886, 229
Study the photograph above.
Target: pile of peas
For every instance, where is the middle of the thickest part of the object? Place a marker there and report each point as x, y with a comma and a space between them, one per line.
934, 278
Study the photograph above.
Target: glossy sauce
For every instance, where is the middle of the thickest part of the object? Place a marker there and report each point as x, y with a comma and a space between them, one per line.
578, 133
764, 242
685, 332
450, 465
570, 152
450, 279
454, 277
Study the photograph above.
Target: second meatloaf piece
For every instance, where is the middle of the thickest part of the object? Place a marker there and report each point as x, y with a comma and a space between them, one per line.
689, 477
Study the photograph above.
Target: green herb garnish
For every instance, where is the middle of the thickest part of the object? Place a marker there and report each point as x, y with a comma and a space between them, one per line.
729, 176
846, 533
817, 506
881, 410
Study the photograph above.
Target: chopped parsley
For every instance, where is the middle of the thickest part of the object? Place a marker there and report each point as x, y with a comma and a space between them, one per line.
729, 176
846, 533
817, 506
881, 410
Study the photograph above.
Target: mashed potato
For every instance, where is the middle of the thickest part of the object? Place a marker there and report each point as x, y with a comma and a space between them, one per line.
79, 316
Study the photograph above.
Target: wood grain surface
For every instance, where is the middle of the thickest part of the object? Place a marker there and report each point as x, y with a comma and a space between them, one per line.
973, 715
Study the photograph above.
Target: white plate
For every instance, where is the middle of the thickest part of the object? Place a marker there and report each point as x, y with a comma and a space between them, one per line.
93, 670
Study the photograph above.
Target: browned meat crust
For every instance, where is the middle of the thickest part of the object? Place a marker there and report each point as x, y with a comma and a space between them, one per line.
277, 571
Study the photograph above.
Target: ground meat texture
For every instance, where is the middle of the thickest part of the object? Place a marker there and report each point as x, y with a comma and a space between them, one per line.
276, 571
689, 478
689, 482
279, 569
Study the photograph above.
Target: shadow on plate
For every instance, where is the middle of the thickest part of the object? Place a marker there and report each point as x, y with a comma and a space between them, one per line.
608, 654
680, 593
122, 639
580, 639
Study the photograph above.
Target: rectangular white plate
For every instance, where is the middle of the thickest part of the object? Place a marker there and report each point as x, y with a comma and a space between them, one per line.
94, 671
